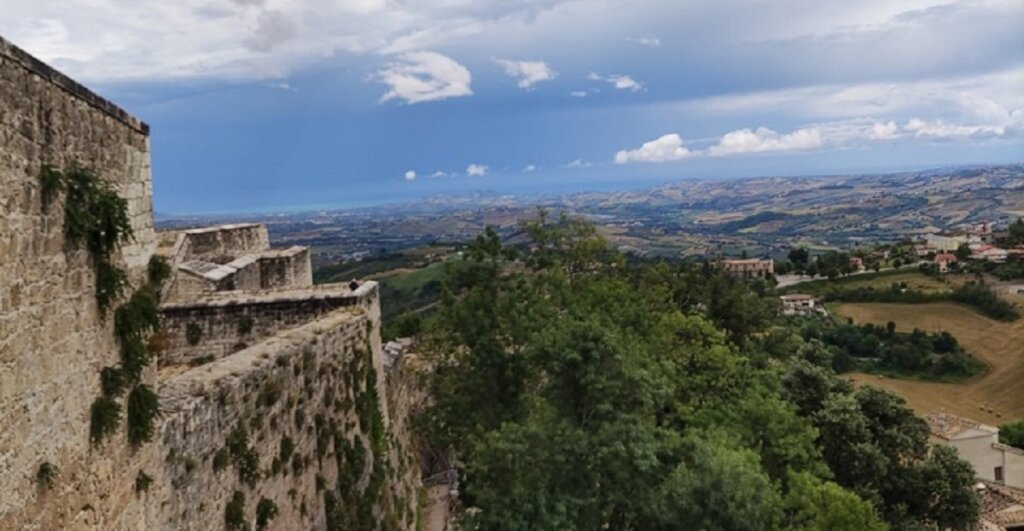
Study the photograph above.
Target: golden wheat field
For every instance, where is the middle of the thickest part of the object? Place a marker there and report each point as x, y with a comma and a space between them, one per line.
994, 397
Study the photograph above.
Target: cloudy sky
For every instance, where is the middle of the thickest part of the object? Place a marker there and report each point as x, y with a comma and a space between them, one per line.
268, 104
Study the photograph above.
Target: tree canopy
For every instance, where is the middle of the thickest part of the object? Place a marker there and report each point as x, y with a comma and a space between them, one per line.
581, 390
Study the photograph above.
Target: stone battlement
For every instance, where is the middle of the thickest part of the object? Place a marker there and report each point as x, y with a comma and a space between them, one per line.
221, 318
235, 257
22, 58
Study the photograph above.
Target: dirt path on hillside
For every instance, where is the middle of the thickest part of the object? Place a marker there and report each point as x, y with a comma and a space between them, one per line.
1000, 345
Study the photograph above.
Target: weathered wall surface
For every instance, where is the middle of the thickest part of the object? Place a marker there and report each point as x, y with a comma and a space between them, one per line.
304, 401
287, 267
222, 244
219, 317
53, 341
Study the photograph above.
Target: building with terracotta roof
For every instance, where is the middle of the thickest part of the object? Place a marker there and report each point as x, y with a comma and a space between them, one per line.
944, 260
1002, 508
979, 445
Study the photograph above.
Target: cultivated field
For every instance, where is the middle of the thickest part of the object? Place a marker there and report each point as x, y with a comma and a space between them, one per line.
994, 397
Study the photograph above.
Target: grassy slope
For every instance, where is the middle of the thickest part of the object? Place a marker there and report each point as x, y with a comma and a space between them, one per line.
992, 397
880, 280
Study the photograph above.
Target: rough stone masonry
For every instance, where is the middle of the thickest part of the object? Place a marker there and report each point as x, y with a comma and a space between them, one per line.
294, 368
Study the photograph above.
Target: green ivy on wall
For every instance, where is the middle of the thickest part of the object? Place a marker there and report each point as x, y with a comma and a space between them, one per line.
97, 217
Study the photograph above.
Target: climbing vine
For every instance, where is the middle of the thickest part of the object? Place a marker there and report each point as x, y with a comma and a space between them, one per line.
94, 215
352, 459
142, 410
97, 217
104, 415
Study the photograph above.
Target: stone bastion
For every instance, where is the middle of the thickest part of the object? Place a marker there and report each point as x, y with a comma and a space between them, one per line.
274, 409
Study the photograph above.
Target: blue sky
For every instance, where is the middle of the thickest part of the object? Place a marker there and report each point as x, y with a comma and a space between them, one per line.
275, 104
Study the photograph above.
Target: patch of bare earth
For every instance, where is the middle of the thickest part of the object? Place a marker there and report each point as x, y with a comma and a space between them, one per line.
994, 397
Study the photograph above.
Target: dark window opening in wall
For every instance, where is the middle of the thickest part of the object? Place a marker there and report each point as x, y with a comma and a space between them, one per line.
999, 473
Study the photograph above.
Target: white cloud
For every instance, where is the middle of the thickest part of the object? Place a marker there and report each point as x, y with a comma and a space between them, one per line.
763, 139
884, 131
986, 99
273, 29
852, 132
529, 168
619, 81
838, 134
624, 82
665, 148
529, 73
579, 163
425, 76
652, 42
802, 41
940, 129
578, 94
476, 170
410, 175
437, 174
844, 134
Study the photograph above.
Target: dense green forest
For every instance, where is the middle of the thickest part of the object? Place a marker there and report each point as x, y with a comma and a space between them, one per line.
576, 389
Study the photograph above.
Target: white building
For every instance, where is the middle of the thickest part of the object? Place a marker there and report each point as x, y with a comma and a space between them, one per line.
979, 445
944, 243
800, 304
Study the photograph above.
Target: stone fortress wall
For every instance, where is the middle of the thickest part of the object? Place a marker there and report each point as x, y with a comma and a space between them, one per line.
305, 383
231, 321
53, 340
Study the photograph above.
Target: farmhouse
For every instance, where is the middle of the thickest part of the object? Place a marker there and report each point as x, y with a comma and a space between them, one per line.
979, 445
800, 304
944, 260
749, 268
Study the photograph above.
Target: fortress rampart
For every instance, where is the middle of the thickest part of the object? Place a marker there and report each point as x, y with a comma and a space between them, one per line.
53, 339
303, 382
230, 321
